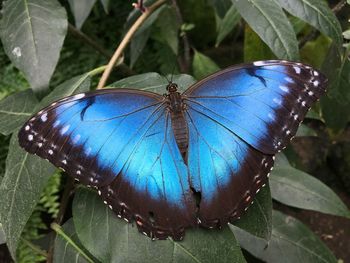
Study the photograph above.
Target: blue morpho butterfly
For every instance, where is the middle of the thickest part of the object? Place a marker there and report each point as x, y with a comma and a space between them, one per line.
179, 160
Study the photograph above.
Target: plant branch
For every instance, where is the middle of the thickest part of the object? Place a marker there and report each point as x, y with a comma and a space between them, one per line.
57, 228
88, 40
314, 33
117, 54
185, 61
34, 247
338, 7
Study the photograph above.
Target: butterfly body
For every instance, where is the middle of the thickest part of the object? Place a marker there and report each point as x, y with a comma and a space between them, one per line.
179, 160
178, 120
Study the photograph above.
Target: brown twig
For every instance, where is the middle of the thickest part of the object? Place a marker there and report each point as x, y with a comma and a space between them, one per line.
338, 7
88, 40
314, 33
117, 54
186, 59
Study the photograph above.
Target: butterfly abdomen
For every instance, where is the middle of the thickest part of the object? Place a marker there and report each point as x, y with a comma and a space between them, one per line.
178, 122
180, 129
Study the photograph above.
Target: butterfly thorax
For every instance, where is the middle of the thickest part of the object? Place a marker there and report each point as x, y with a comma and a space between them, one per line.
178, 121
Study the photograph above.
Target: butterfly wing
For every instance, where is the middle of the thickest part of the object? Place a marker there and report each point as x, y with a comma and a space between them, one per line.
118, 141
238, 119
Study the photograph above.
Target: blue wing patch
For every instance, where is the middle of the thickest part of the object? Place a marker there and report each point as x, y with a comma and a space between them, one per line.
262, 103
224, 169
119, 141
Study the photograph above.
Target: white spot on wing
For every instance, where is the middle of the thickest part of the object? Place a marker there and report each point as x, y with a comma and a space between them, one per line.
43, 117
65, 129
50, 152
30, 137
297, 69
27, 128
259, 63
288, 79
277, 101
284, 88
56, 123
79, 96
76, 138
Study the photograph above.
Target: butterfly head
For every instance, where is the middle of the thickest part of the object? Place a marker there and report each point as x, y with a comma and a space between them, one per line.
172, 87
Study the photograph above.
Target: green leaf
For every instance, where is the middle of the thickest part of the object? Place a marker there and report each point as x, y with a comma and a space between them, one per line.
291, 242
32, 33
139, 40
69, 87
227, 24
111, 239
305, 131
15, 110
154, 82
202, 65
268, 20
297, 24
315, 51
254, 48
257, 220
168, 28
335, 105
26, 174
346, 34
68, 247
25, 177
81, 10
314, 115
318, 14
298, 189
221, 7
105, 4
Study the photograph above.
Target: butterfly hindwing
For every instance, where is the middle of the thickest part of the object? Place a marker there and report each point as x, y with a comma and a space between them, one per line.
118, 141
238, 119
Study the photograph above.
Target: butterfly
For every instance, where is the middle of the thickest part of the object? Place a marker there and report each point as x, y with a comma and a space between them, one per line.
179, 160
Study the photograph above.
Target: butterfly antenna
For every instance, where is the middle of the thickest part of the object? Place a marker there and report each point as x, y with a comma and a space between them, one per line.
172, 73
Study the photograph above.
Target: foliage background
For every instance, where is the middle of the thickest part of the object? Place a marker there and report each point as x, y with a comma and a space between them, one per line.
51, 49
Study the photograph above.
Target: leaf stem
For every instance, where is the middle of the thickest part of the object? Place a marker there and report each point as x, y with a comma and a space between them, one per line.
97, 71
34, 247
57, 228
117, 54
